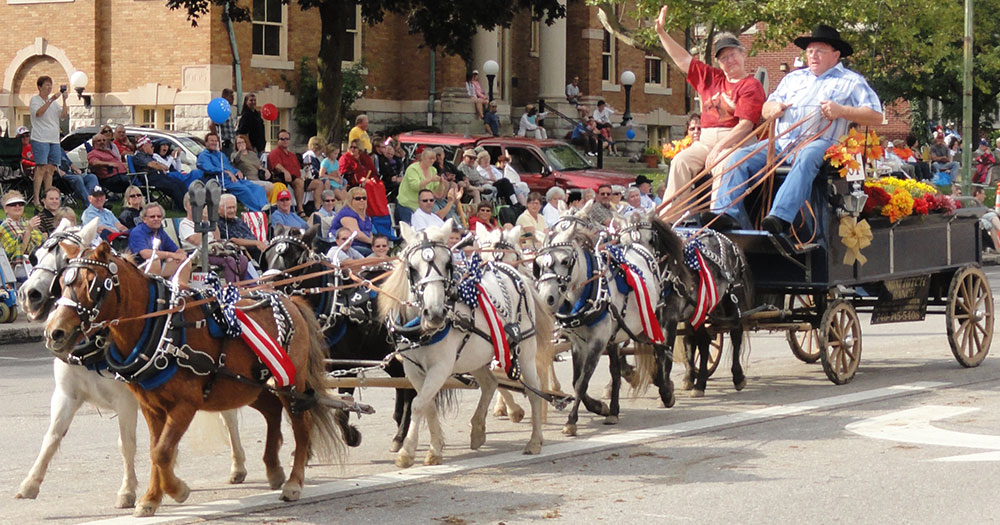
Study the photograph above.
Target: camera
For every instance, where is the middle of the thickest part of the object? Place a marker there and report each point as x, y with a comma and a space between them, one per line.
62, 88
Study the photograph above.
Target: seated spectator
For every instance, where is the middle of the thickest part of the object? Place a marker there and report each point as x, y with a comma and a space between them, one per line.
529, 126
911, 155
314, 155
646, 196
110, 134
81, 183
532, 221
380, 245
247, 161
67, 213
167, 257
156, 173
553, 197
354, 164
167, 155
234, 265
521, 189
575, 199
495, 177
19, 237
425, 216
475, 92
214, 164
340, 252
441, 203
329, 174
602, 119
122, 142
232, 229
107, 165
328, 204
27, 155
354, 217
617, 192
419, 176
941, 161
131, 210
484, 216
284, 167
633, 203
283, 215
51, 201
583, 136
989, 221
491, 121
573, 91
387, 169
473, 184
108, 226
984, 162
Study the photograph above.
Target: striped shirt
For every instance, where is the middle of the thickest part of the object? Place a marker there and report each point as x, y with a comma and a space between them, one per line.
804, 91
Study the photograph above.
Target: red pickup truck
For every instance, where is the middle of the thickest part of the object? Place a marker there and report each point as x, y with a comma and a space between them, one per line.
541, 163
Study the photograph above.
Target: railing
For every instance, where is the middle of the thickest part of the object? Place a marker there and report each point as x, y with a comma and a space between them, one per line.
574, 122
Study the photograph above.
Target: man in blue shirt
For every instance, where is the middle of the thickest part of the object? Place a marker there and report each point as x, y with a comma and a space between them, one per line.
491, 121
108, 226
823, 92
156, 173
215, 165
284, 214
140, 242
81, 183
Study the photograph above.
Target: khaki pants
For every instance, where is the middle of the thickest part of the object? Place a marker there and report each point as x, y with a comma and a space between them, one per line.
689, 163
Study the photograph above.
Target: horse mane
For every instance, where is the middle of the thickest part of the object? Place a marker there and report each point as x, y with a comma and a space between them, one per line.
666, 239
395, 288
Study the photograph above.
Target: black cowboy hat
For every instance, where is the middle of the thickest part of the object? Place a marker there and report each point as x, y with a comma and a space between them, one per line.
827, 35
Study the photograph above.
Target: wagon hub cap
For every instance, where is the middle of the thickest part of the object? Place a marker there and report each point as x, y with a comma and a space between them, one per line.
978, 315
849, 340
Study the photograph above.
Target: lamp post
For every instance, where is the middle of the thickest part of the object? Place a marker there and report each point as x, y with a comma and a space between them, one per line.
491, 68
78, 81
627, 79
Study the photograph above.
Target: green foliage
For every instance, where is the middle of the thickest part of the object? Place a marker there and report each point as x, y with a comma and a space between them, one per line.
306, 98
653, 151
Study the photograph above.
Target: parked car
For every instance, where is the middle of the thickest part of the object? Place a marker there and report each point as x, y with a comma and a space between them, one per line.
190, 145
541, 163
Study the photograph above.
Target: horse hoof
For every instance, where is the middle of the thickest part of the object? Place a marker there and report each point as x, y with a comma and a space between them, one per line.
516, 415
27, 491
145, 509
605, 410
276, 478
669, 402
740, 385
182, 492
477, 439
352, 437
500, 410
533, 449
569, 429
687, 384
291, 492
395, 446
611, 420
237, 476
432, 459
125, 501
404, 461
697, 393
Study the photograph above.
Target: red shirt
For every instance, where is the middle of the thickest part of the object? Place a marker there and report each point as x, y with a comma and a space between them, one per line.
378, 205
476, 220
724, 103
353, 168
125, 148
285, 158
27, 156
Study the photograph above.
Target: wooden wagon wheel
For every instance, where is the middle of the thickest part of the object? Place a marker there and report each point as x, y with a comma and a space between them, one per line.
804, 343
840, 342
969, 316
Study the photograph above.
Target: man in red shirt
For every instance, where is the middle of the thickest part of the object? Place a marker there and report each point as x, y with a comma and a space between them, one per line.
284, 166
122, 142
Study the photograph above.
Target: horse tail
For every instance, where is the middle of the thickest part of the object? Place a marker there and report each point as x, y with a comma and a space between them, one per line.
395, 288
645, 368
446, 401
324, 440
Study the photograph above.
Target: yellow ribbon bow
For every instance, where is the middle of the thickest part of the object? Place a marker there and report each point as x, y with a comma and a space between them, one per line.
856, 236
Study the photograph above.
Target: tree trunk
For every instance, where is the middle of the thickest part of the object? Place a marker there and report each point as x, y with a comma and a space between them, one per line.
330, 76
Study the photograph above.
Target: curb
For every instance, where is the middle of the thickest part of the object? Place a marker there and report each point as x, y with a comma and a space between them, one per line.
20, 334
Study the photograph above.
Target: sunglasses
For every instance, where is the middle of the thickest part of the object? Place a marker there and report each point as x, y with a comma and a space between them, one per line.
284, 138
602, 194
329, 200
20, 204
135, 195
426, 200
360, 198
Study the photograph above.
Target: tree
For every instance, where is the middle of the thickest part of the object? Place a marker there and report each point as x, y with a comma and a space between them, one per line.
446, 25
910, 50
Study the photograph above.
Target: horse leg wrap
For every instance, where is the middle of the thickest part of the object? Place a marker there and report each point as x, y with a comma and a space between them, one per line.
301, 402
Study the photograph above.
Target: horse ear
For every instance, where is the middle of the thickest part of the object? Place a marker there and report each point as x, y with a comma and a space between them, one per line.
279, 230
103, 252
310, 234
63, 224
515, 233
448, 226
481, 231
406, 232
585, 210
89, 231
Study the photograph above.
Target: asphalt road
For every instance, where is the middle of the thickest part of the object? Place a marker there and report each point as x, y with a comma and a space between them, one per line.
913, 439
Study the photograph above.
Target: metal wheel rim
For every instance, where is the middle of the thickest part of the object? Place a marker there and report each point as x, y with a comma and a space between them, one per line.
970, 317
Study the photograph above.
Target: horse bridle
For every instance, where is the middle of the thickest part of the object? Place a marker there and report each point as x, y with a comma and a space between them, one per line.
280, 245
96, 292
428, 253
51, 243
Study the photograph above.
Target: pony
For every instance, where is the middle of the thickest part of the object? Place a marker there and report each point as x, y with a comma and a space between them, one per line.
76, 385
582, 283
175, 366
357, 335
733, 284
423, 302
502, 245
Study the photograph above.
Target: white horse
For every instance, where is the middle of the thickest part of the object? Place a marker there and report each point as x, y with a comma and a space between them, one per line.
501, 245
453, 337
578, 282
76, 385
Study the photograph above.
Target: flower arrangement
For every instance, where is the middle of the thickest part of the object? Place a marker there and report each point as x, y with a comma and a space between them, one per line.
671, 149
844, 154
898, 198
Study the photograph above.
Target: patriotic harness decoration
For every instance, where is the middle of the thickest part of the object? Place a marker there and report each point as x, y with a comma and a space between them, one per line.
696, 257
635, 280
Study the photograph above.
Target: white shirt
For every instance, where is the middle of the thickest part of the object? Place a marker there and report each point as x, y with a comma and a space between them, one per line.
604, 117
171, 162
490, 173
422, 220
646, 202
186, 229
46, 127
550, 213
571, 90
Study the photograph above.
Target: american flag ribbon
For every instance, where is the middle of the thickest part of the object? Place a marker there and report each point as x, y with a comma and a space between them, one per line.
267, 349
647, 311
501, 350
708, 295
257, 222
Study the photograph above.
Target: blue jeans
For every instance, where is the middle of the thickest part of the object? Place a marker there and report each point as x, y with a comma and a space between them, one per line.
251, 195
791, 195
81, 183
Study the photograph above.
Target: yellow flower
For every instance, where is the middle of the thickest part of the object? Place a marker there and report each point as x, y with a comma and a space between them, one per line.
900, 205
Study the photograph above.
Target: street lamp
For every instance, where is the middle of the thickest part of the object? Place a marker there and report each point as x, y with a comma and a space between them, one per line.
78, 81
627, 79
491, 68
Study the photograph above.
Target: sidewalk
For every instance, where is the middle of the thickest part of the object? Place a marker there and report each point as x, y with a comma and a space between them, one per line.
21, 331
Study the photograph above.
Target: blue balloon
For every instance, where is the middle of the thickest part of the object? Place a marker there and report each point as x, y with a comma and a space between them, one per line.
630, 134
219, 110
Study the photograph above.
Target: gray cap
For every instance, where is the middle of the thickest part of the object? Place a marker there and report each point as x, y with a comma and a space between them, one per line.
725, 41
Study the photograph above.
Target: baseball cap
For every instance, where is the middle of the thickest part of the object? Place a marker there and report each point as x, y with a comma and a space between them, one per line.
23, 130
890, 144
284, 194
724, 41
97, 191
143, 140
469, 152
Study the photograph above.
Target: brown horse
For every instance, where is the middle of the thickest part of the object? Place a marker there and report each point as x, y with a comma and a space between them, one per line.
99, 286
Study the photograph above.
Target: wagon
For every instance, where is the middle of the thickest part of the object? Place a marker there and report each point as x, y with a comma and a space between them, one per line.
916, 266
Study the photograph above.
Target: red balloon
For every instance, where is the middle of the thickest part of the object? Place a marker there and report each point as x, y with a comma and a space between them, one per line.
269, 112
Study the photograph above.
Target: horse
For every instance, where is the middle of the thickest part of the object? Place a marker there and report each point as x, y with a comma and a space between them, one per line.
347, 319
501, 245
77, 384
581, 282
423, 303
175, 366
732, 282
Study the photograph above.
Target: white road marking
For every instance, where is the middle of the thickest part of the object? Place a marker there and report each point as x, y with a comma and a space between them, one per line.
387, 480
914, 426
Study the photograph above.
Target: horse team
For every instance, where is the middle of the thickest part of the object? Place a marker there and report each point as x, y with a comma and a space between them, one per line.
441, 309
